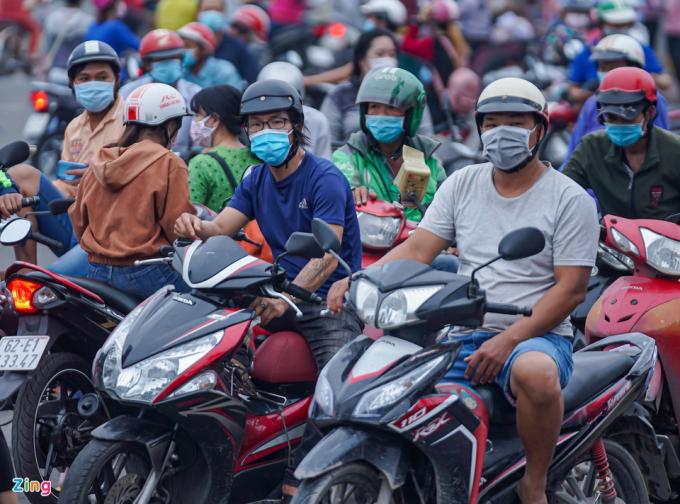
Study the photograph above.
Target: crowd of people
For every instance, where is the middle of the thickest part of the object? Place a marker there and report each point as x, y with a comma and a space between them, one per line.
212, 122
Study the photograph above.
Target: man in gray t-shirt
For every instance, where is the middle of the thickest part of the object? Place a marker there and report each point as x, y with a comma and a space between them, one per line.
529, 357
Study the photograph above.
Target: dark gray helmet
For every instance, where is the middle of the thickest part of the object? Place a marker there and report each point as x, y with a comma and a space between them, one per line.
270, 95
90, 51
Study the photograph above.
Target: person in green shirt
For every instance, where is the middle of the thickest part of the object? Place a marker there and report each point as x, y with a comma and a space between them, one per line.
391, 104
214, 175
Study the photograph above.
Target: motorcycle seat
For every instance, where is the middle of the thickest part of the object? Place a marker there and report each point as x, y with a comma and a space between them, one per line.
118, 300
284, 357
593, 372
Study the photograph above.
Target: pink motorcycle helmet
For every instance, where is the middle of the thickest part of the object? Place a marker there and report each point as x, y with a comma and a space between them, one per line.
443, 11
103, 4
463, 90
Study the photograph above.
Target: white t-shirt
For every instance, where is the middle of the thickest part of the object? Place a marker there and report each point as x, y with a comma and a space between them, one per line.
468, 209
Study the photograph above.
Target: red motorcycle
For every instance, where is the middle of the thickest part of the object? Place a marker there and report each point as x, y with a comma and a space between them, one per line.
648, 302
383, 226
213, 428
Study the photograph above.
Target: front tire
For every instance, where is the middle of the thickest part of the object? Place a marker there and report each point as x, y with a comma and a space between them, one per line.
38, 455
580, 483
354, 483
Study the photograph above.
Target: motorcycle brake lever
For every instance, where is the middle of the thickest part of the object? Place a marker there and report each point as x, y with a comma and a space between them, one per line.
272, 293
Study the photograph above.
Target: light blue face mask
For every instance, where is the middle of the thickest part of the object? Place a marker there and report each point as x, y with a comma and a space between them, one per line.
623, 135
189, 59
166, 71
600, 76
213, 19
385, 129
95, 96
271, 146
369, 25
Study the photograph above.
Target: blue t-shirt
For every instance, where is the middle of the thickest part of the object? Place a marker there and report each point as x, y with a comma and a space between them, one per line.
115, 33
582, 69
317, 189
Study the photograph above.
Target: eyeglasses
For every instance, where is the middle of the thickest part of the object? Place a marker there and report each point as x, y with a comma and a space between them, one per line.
278, 123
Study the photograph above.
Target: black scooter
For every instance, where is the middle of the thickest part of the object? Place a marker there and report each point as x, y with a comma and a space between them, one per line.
393, 433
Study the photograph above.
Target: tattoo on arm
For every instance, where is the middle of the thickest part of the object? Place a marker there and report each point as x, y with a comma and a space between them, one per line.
316, 272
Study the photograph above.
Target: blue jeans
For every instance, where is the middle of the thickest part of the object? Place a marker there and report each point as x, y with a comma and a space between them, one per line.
57, 227
140, 281
554, 345
446, 262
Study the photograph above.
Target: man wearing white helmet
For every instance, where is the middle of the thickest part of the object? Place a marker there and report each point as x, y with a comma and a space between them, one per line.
387, 14
529, 357
317, 128
138, 186
613, 51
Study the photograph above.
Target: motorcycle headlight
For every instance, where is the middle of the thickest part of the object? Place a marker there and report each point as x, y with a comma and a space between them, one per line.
143, 381
614, 259
624, 244
663, 254
399, 308
323, 394
378, 232
366, 300
374, 402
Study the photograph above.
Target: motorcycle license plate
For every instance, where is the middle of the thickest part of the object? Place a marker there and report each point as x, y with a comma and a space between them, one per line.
21, 353
35, 126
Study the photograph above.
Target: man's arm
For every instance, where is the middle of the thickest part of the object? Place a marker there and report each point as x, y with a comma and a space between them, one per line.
316, 271
228, 222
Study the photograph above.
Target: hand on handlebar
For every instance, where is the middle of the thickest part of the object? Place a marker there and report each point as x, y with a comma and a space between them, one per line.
336, 295
10, 204
268, 309
188, 226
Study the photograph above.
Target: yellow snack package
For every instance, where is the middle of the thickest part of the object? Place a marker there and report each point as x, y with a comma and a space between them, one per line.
413, 176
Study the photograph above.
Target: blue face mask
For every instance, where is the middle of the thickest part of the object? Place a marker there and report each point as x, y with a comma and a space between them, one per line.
369, 25
271, 146
166, 71
600, 76
189, 59
95, 96
385, 129
623, 135
213, 19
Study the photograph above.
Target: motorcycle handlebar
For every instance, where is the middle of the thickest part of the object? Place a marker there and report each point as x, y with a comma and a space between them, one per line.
29, 202
45, 240
507, 309
301, 293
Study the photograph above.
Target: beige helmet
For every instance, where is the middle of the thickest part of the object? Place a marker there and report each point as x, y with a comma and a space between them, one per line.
153, 104
512, 94
619, 47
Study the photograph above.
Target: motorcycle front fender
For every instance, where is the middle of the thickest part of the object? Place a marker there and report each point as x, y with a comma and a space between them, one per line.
345, 445
153, 436
10, 383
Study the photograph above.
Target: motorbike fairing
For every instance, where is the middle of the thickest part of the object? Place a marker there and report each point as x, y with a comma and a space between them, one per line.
406, 273
346, 444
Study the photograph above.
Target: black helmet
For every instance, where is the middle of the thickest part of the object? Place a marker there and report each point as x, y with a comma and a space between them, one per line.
89, 51
270, 95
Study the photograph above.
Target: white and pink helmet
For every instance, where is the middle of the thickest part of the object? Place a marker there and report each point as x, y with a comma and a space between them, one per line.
154, 104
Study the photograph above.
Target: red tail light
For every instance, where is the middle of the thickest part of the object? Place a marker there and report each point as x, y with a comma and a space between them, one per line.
337, 30
39, 100
22, 295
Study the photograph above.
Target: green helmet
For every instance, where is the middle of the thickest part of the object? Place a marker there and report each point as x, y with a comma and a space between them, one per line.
395, 87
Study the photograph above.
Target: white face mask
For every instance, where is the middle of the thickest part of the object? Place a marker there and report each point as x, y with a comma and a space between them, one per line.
507, 147
387, 62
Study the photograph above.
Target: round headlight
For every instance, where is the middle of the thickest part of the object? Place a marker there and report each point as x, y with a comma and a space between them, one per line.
378, 232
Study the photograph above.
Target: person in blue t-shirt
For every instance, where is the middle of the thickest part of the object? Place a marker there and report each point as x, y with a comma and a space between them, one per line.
613, 51
111, 29
615, 17
284, 193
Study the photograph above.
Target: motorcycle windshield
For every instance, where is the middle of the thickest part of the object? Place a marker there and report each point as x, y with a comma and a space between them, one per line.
205, 260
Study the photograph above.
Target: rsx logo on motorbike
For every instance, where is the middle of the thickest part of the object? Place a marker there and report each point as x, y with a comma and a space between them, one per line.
432, 427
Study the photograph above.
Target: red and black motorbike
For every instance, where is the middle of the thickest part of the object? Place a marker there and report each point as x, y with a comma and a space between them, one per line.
212, 428
394, 434
648, 302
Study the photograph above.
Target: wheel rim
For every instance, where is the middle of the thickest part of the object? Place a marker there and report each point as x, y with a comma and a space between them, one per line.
59, 433
581, 486
349, 492
120, 480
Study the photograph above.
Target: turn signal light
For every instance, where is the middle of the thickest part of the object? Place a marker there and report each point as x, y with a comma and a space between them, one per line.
22, 294
40, 101
337, 30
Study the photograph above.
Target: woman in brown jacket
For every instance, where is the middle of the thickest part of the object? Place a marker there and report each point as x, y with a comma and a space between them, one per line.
129, 200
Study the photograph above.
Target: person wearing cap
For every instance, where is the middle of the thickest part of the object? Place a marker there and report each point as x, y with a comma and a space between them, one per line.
317, 128
162, 53
615, 17
129, 199
613, 51
94, 76
529, 357
201, 67
631, 166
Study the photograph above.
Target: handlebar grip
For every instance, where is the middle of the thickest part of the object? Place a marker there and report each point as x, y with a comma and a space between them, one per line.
29, 202
56, 245
507, 309
302, 293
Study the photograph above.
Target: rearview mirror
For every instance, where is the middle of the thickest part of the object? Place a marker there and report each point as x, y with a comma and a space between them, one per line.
60, 206
14, 153
15, 232
521, 243
325, 235
304, 245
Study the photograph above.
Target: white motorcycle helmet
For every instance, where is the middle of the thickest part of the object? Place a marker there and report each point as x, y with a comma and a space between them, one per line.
393, 10
287, 72
619, 47
512, 94
154, 104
